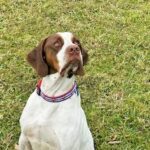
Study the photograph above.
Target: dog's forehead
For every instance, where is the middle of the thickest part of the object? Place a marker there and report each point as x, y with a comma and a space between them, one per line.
66, 36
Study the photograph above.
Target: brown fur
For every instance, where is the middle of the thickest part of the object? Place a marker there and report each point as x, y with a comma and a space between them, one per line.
36, 60
50, 46
52, 60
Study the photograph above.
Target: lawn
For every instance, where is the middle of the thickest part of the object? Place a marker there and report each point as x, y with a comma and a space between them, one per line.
116, 87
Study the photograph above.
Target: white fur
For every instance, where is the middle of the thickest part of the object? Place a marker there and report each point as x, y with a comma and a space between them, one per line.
67, 42
55, 126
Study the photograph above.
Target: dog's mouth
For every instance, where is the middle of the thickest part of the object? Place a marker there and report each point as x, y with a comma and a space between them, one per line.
73, 67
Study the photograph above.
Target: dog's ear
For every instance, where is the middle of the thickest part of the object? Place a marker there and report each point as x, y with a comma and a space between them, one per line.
83, 52
85, 56
36, 59
80, 70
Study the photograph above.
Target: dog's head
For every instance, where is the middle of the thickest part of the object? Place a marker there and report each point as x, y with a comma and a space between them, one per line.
61, 52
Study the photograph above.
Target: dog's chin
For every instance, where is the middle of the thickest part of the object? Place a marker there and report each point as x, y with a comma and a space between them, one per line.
72, 71
72, 68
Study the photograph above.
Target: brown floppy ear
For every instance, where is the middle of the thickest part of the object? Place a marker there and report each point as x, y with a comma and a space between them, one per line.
80, 70
36, 59
85, 56
83, 52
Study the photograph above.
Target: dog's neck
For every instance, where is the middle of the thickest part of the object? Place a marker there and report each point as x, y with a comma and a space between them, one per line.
55, 84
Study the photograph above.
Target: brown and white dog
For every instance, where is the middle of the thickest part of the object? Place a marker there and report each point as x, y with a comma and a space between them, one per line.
53, 118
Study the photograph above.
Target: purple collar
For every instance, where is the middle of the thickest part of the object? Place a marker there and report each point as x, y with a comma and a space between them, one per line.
63, 97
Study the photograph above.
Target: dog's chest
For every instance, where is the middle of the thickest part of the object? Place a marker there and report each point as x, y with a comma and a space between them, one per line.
55, 115
53, 121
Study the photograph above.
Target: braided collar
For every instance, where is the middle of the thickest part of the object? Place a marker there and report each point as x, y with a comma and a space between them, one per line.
63, 97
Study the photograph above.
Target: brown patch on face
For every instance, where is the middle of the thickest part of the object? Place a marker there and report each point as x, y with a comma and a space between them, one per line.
54, 42
43, 57
52, 60
53, 45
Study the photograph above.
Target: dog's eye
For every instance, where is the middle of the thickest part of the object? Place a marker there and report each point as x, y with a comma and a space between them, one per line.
75, 41
57, 44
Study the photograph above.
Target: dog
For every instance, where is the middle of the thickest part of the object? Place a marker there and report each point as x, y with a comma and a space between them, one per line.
53, 118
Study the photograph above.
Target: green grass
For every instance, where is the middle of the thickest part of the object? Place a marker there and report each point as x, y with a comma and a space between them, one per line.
116, 88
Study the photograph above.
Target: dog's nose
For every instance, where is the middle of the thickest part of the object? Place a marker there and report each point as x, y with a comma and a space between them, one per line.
73, 50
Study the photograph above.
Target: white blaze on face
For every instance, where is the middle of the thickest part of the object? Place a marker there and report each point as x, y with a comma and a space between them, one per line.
67, 39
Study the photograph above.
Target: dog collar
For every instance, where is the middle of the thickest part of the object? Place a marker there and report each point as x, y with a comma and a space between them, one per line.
63, 97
